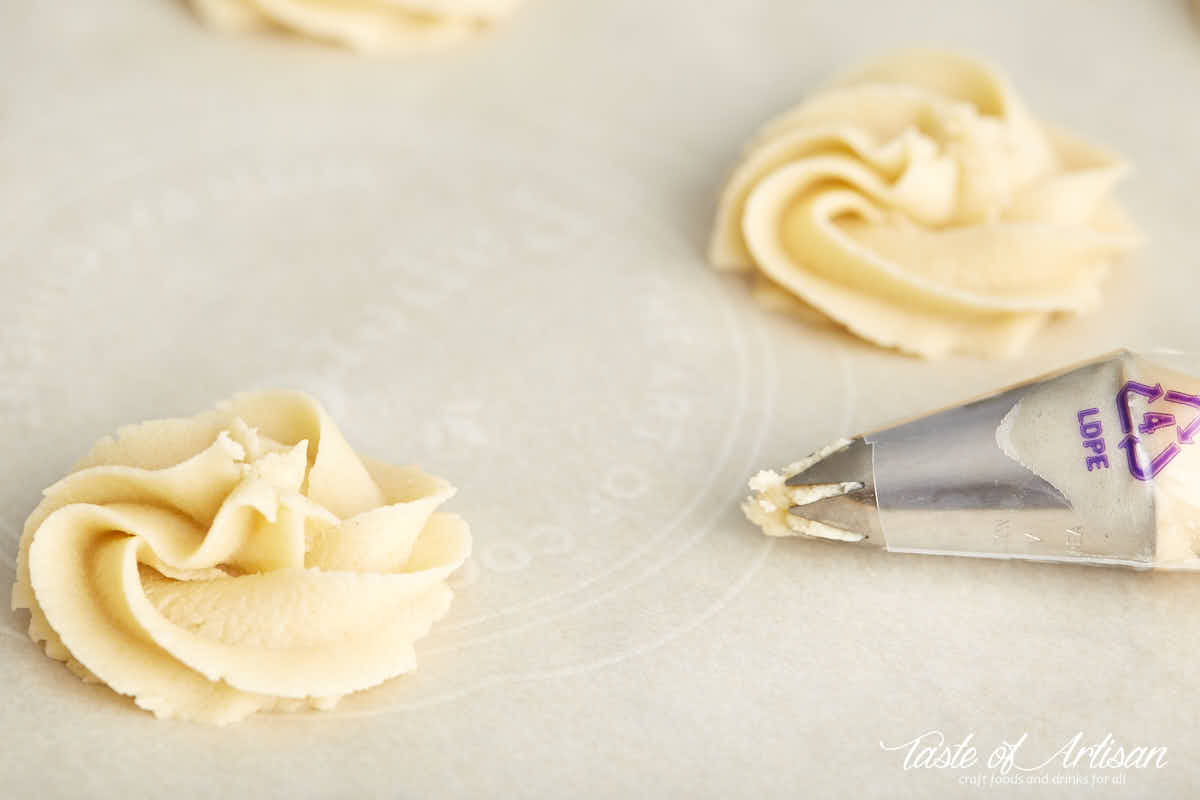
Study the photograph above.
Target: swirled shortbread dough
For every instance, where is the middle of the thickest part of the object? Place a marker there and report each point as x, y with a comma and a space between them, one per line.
241, 560
920, 204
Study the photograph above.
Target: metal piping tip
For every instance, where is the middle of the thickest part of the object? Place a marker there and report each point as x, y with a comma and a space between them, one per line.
823, 496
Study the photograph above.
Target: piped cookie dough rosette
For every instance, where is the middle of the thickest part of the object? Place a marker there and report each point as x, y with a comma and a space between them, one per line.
241, 560
919, 204
368, 26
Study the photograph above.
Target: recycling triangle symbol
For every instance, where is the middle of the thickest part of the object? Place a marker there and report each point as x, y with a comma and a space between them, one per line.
1141, 465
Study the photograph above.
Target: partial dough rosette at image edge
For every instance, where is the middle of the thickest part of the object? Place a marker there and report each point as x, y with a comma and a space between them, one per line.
367, 26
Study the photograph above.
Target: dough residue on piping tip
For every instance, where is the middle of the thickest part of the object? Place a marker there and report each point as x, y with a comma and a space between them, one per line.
771, 499
368, 26
242, 560
919, 204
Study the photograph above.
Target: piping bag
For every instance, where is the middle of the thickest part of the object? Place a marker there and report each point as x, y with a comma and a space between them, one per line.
1098, 464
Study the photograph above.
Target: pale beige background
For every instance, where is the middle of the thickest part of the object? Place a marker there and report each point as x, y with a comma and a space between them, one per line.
490, 261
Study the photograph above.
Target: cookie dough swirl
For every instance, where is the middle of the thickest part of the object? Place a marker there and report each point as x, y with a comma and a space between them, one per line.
919, 204
241, 560
369, 26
